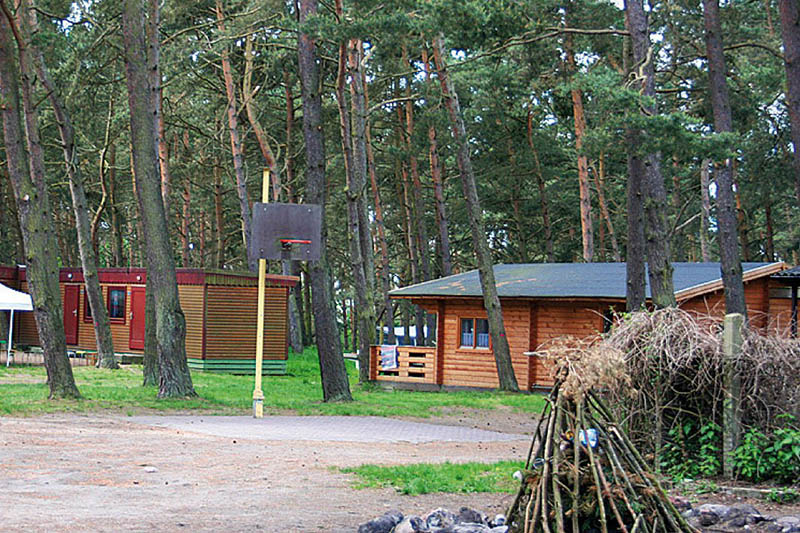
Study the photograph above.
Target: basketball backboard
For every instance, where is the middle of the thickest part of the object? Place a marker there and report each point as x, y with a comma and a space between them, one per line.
287, 231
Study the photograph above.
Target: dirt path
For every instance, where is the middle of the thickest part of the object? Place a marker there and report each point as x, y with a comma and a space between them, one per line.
106, 473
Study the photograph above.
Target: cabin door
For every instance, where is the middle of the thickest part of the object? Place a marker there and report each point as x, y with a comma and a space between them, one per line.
71, 300
136, 341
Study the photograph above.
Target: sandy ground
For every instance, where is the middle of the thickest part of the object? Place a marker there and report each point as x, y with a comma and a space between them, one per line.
70, 473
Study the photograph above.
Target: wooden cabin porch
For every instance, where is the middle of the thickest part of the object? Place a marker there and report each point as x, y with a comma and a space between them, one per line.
415, 364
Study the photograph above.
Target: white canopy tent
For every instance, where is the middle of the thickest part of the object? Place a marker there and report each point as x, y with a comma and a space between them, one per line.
11, 300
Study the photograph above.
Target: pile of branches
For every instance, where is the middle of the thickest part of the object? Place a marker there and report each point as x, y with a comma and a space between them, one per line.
582, 469
668, 369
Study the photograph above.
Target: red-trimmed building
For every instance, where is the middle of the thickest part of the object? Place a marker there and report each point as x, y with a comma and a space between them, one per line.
220, 310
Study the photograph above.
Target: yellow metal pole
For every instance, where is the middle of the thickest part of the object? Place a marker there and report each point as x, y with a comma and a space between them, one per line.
258, 393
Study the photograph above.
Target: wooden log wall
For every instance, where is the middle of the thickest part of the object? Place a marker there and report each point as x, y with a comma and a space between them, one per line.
231, 323
475, 367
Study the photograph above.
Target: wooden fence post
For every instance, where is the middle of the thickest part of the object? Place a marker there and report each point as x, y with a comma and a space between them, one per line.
732, 390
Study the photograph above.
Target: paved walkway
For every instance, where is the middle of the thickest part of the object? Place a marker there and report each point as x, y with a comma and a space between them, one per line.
324, 428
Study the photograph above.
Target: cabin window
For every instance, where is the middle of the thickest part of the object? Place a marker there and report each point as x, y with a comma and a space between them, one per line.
87, 309
474, 333
116, 304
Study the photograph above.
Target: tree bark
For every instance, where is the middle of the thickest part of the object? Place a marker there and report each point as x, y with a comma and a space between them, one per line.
358, 190
421, 232
730, 262
297, 327
263, 144
705, 206
548, 230
219, 236
102, 328
502, 354
442, 221
387, 313
769, 230
654, 193
601, 200
335, 386
236, 148
116, 224
173, 371
26, 172
790, 30
587, 237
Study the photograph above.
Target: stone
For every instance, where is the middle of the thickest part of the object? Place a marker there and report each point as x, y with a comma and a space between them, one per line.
499, 529
498, 520
150, 469
708, 518
412, 524
471, 516
440, 518
722, 511
470, 528
788, 524
382, 524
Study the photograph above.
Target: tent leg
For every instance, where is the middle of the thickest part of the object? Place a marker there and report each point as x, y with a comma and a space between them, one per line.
10, 333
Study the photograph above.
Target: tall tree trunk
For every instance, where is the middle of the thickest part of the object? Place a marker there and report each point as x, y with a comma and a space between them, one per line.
116, 225
654, 193
102, 328
705, 207
33, 209
173, 371
730, 263
421, 232
679, 241
502, 354
790, 29
297, 333
236, 148
104, 197
548, 230
769, 230
438, 184
351, 194
335, 386
219, 236
600, 176
583, 166
387, 313
185, 221
248, 95
413, 245
358, 190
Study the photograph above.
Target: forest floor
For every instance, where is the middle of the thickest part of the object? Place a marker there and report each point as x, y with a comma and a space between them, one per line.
110, 472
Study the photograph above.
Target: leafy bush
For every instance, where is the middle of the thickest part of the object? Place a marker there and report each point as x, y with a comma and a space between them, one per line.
692, 450
775, 456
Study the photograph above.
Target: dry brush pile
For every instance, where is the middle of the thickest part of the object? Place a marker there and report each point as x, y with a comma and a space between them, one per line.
673, 366
624, 393
582, 470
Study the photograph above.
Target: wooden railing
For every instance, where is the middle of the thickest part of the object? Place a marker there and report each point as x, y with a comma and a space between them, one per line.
415, 364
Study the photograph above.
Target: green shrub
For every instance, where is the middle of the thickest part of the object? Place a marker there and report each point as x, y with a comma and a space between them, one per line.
692, 450
775, 456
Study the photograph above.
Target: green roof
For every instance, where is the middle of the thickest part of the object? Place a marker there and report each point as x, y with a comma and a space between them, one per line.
569, 280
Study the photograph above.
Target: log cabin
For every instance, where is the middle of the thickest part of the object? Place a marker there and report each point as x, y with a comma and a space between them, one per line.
546, 301
219, 306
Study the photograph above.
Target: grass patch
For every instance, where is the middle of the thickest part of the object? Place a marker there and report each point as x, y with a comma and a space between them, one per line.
446, 477
23, 392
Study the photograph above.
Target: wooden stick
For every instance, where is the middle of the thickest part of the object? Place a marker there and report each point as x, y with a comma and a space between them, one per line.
593, 468
557, 504
576, 485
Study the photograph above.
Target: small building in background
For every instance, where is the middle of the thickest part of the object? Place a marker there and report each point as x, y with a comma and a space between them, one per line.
543, 302
219, 306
